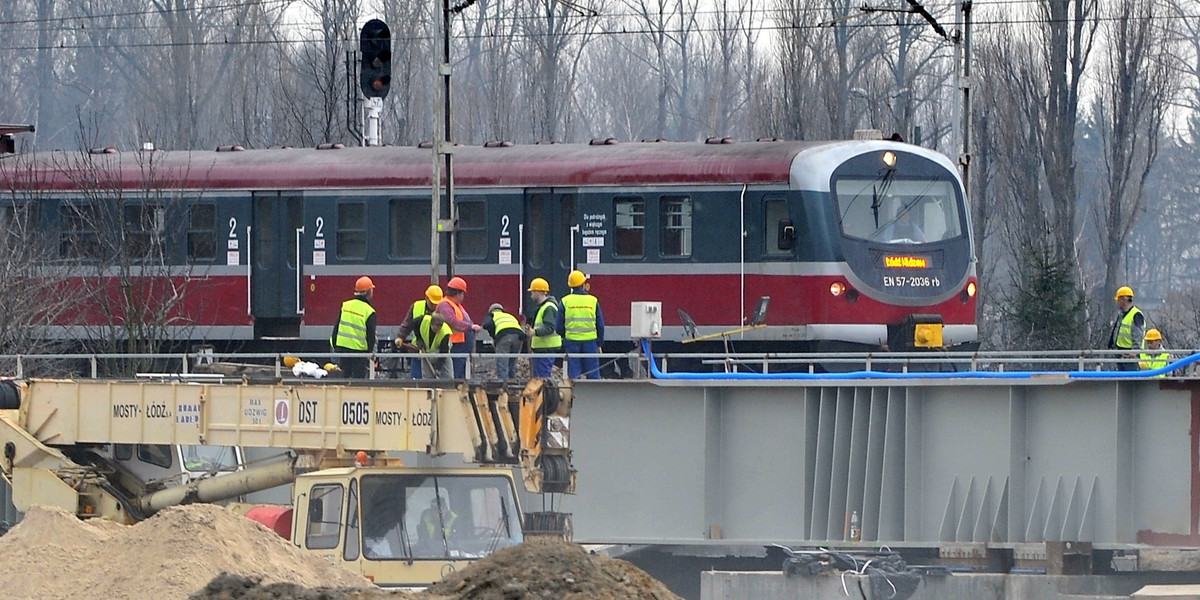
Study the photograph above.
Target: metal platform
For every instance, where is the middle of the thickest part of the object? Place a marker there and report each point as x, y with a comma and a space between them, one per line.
946, 463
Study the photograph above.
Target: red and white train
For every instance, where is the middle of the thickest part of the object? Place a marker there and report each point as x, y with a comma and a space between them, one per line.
854, 241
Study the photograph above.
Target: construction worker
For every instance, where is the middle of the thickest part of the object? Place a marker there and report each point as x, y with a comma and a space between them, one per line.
507, 338
425, 306
544, 337
354, 330
1153, 356
457, 317
1127, 329
581, 324
433, 337
437, 523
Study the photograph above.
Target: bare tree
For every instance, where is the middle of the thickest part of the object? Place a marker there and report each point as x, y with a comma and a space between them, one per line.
1130, 112
118, 243
1067, 29
555, 38
35, 296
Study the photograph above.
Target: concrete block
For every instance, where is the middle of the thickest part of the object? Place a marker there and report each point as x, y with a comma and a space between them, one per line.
1174, 592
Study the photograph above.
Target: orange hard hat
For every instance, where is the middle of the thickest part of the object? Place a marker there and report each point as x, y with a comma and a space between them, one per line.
363, 284
457, 283
361, 457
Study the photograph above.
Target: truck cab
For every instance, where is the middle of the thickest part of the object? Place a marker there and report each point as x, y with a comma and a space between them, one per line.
404, 524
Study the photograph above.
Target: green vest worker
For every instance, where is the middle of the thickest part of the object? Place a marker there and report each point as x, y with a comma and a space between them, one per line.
354, 330
508, 338
412, 320
1127, 329
1153, 356
544, 332
582, 325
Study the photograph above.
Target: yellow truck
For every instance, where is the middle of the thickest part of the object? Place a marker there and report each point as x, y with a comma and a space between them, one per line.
85, 446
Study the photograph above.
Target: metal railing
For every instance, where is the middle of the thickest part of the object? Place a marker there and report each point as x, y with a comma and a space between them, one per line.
202, 365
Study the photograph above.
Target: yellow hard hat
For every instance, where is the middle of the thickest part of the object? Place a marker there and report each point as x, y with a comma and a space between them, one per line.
1153, 335
290, 361
433, 294
1123, 291
576, 279
539, 285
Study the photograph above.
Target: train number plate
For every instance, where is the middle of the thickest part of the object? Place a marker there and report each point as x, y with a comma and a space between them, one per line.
911, 281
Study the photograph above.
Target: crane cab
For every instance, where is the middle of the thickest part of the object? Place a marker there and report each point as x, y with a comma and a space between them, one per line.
403, 526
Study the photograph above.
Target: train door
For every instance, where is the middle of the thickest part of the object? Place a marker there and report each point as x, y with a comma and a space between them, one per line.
275, 274
550, 239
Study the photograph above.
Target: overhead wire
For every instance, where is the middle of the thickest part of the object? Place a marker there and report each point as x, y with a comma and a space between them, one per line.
618, 29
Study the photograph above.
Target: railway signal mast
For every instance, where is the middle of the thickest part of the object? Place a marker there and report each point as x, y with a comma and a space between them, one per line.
375, 73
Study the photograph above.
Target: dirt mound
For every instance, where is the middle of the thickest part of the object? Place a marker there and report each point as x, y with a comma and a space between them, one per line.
237, 587
168, 556
549, 568
540, 569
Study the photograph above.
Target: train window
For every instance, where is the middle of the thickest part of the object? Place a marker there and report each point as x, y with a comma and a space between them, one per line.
675, 218
536, 215
16, 220
779, 239
471, 237
352, 230
78, 226
566, 220
202, 232
629, 239
142, 227
410, 220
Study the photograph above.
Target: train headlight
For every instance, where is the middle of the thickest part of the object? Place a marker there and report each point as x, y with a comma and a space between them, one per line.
837, 288
889, 158
971, 289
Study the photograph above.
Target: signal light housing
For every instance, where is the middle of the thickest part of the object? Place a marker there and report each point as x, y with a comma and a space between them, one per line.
375, 51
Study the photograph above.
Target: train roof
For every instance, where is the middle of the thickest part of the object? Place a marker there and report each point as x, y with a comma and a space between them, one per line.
644, 163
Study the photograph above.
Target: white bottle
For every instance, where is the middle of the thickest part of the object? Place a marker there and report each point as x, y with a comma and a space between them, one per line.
855, 530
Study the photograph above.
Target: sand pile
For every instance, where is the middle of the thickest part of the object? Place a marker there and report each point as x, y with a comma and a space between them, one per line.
54, 556
204, 552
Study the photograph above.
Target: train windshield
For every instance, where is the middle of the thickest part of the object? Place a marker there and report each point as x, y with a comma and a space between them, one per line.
899, 211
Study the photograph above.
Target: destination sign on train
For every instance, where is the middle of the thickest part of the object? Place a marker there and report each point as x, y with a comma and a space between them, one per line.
905, 262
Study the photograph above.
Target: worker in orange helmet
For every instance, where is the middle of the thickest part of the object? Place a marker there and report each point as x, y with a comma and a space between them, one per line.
354, 330
462, 341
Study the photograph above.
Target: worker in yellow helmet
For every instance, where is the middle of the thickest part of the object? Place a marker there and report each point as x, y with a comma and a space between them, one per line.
1127, 329
354, 330
543, 333
426, 305
581, 324
1153, 356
